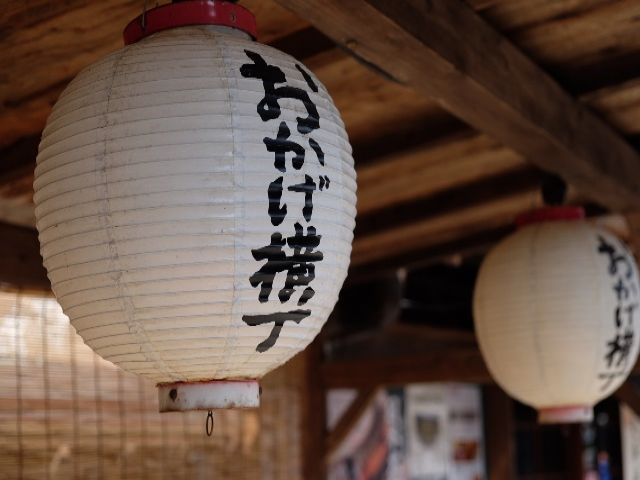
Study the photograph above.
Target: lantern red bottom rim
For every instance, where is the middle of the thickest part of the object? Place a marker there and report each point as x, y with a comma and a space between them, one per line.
568, 414
208, 395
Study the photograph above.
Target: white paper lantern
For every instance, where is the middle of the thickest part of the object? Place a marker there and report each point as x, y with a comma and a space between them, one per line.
556, 314
195, 202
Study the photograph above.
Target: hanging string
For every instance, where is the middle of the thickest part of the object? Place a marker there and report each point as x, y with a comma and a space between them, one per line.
144, 15
209, 423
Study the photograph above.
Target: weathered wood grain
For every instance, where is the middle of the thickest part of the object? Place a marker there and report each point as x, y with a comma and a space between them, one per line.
445, 365
430, 169
444, 50
585, 44
619, 105
486, 205
517, 15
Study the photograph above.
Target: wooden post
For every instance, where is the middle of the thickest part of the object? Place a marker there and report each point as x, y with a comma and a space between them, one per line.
574, 466
499, 434
629, 394
314, 415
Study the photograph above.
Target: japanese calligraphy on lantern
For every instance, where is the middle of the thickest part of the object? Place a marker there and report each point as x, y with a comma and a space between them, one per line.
290, 256
624, 283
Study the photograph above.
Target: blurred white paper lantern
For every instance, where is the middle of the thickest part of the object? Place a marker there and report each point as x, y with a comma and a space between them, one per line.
195, 202
556, 314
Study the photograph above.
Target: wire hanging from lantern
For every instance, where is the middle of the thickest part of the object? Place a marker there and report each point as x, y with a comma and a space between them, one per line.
209, 423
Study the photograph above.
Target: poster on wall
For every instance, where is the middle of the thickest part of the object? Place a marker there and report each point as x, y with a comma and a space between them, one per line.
445, 432
466, 432
418, 432
427, 432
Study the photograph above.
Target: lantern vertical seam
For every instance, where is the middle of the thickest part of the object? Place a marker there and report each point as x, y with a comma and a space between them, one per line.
132, 325
221, 43
532, 286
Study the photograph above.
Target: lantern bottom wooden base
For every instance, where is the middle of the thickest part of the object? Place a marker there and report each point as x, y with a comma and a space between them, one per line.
184, 396
570, 414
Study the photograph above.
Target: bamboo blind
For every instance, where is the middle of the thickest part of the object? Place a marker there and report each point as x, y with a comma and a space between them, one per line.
67, 414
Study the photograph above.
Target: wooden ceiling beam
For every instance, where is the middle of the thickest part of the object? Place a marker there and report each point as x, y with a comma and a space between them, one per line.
474, 244
369, 367
425, 169
496, 187
445, 217
442, 365
443, 49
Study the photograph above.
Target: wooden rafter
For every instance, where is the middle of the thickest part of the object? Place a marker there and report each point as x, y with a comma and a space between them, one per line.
499, 431
445, 216
456, 360
443, 365
443, 49
314, 414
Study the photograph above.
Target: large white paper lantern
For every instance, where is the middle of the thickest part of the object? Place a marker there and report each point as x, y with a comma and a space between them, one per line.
556, 309
195, 202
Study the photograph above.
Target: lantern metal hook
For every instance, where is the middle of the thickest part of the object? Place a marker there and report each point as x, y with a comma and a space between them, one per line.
209, 423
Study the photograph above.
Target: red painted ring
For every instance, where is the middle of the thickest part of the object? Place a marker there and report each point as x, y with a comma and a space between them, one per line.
550, 214
195, 12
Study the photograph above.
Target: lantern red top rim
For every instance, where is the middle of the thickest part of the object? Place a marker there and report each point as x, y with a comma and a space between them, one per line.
550, 214
193, 12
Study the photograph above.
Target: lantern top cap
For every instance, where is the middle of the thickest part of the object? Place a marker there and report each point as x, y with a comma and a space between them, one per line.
186, 13
550, 214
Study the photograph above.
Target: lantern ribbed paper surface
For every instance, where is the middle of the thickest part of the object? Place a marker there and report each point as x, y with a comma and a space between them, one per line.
195, 200
556, 315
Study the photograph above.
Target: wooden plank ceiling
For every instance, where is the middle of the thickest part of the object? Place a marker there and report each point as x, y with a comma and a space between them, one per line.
429, 184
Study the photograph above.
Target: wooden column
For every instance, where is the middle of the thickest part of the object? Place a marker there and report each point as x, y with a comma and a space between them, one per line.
575, 448
314, 415
629, 394
499, 433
